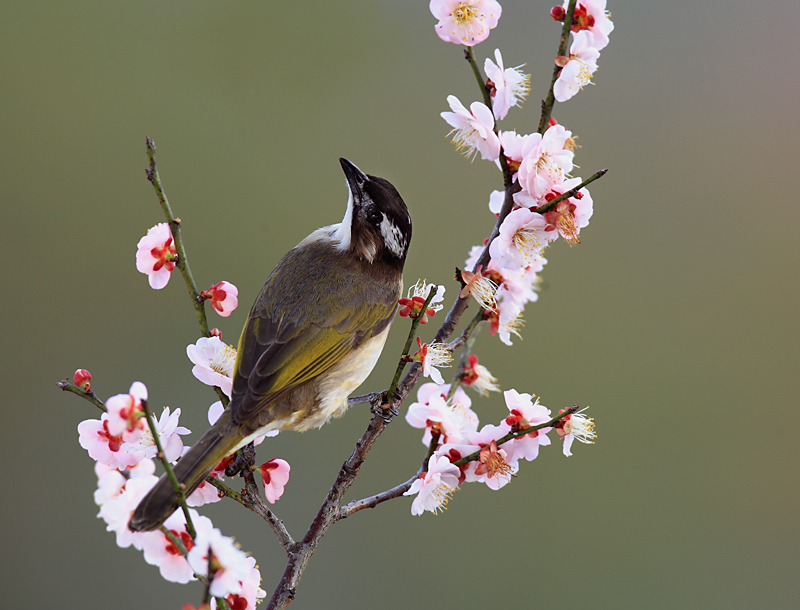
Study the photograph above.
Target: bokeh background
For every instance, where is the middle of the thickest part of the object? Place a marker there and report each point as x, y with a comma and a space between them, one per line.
676, 319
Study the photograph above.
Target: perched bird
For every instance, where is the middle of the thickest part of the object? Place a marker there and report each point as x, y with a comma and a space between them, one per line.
312, 336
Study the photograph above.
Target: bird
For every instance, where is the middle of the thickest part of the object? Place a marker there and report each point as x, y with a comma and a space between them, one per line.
313, 335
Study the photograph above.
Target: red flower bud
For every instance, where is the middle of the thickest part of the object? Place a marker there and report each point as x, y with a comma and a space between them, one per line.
82, 378
558, 13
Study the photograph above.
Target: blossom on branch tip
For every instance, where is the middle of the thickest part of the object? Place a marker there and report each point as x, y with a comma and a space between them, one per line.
575, 427
156, 255
577, 69
434, 487
82, 377
465, 22
213, 362
275, 474
417, 295
473, 129
478, 377
223, 297
508, 86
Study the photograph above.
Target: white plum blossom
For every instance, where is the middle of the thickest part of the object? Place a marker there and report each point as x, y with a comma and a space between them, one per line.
465, 22
473, 129
125, 413
213, 362
509, 85
117, 511
434, 487
168, 433
162, 552
575, 427
478, 377
453, 421
229, 565
577, 69
156, 254
496, 465
251, 591
432, 355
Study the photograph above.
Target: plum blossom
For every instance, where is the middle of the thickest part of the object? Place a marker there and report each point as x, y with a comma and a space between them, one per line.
251, 591
465, 22
162, 552
496, 465
111, 481
473, 129
575, 427
229, 565
577, 69
223, 297
168, 433
156, 255
102, 446
570, 215
275, 474
546, 160
478, 377
125, 413
521, 240
213, 362
434, 487
417, 295
432, 355
524, 413
590, 16
509, 86
82, 377
117, 511
453, 419
479, 286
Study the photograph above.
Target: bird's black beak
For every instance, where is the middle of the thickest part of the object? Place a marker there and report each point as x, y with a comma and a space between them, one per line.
355, 178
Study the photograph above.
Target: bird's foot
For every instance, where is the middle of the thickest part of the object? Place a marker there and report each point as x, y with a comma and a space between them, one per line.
245, 458
382, 407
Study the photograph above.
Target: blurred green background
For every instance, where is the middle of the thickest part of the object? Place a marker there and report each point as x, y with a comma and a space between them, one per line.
675, 319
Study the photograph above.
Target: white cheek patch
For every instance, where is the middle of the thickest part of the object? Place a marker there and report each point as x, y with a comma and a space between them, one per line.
342, 233
393, 237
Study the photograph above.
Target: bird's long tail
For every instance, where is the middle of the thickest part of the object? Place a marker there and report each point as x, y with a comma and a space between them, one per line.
161, 501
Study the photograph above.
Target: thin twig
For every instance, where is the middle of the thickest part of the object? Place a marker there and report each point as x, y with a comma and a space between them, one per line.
547, 104
543, 209
90, 396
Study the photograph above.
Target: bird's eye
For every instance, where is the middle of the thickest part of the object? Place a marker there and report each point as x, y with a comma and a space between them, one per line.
375, 216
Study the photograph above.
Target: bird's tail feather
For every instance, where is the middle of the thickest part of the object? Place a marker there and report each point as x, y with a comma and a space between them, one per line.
161, 501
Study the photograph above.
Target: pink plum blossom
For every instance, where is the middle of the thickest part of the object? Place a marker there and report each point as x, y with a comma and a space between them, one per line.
546, 160
465, 22
577, 69
111, 481
570, 215
473, 129
509, 85
434, 487
521, 240
213, 362
156, 254
591, 16
524, 413
103, 446
223, 297
168, 433
496, 465
275, 474
125, 413
162, 552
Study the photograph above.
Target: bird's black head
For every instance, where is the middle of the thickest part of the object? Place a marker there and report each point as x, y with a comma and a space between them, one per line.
377, 225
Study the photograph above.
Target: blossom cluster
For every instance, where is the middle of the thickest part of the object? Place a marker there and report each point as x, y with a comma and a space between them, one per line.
540, 163
449, 417
123, 447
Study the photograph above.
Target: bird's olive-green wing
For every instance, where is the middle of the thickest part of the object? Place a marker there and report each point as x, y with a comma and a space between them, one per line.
301, 325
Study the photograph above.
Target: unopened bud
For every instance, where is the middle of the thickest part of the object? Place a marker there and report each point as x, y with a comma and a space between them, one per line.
82, 378
558, 13
215, 332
